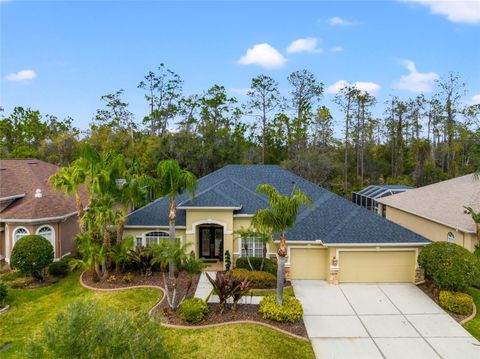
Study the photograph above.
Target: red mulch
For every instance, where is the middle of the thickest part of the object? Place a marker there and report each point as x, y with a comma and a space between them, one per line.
429, 289
244, 311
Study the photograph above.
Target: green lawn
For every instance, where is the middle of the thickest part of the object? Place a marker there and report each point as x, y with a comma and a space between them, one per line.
473, 326
30, 308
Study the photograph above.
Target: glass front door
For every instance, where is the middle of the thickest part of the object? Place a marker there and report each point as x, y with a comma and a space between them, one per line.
211, 242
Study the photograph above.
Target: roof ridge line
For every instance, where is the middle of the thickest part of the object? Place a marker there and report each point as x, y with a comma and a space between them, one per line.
202, 192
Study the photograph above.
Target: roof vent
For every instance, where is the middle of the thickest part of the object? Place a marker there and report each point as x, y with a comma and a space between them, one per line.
38, 193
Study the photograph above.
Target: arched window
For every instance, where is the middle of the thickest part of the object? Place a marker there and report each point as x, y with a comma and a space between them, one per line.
450, 237
19, 233
155, 237
46, 232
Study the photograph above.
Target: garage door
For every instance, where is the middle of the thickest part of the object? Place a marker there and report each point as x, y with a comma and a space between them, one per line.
308, 263
388, 266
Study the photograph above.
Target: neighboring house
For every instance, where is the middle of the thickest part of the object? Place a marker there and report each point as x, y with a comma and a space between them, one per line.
437, 211
333, 239
368, 196
29, 205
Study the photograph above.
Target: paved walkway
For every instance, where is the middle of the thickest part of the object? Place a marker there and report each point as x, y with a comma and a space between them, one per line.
204, 288
372, 321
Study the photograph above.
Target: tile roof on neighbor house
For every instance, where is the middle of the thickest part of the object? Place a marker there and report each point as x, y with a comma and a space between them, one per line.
442, 202
20, 179
331, 218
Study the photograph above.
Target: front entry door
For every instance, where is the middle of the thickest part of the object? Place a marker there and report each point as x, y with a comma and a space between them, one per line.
211, 242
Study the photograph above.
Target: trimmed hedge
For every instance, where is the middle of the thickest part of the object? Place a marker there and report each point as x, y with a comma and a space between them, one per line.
3, 293
31, 255
456, 302
256, 262
290, 311
450, 266
257, 279
58, 269
193, 310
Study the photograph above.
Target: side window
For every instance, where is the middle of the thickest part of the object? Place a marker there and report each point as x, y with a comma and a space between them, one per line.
450, 237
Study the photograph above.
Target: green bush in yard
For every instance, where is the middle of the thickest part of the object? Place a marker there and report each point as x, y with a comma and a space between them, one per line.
290, 311
31, 255
450, 266
257, 279
256, 262
3, 293
87, 329
193, 310
456, 302
58, 268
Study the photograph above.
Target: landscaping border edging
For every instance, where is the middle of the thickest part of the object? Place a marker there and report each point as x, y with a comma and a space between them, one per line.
4, 309
470, 317
176, 326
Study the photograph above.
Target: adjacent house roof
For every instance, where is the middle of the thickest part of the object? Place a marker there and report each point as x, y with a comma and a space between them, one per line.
25, 192
442, 202
331, 218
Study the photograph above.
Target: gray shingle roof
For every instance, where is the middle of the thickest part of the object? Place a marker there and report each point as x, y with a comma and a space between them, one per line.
331, 218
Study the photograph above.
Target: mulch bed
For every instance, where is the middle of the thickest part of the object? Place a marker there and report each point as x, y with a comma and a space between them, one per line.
244, 312
155, 279
429, 289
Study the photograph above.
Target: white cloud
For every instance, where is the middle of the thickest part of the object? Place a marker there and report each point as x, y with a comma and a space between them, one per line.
263, 55
370, 87
466, 11
239, 90
476, 99
338, 21
22, 75
308, 44
337, 49
416, 81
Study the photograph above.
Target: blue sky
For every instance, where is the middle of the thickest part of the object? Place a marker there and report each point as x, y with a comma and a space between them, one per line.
60, 57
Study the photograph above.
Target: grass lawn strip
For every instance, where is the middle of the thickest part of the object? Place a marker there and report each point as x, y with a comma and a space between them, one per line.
473, 326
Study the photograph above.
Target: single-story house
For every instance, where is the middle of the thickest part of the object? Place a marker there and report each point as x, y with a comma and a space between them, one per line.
29, 205
333, 239
437, 211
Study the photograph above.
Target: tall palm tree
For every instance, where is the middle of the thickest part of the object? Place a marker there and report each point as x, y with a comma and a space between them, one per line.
173, 180
281, 216
69, 180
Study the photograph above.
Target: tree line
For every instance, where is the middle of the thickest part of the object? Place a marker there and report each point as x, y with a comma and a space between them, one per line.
415, 141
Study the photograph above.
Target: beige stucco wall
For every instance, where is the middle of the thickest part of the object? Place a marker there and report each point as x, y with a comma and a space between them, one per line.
2, 240
429, 229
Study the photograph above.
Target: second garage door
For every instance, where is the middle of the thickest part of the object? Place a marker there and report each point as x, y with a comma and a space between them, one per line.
377, 266
308, 263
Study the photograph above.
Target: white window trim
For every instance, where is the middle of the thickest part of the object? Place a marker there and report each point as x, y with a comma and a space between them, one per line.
240, 248
52, 242
451, 235
14, 233
144, 238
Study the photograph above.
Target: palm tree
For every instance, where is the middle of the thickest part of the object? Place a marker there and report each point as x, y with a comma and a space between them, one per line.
100, 215
173, 180
69, 180
281, 216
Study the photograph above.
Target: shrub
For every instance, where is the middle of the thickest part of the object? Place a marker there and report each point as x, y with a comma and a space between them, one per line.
88, 330
228, 260
456, 302
31, 255
193, 310
14, 274
290, 311
3, 293
127, 278
111, 279
258, 280
256, 263
226, 285
450, 266
58, 269
21, 282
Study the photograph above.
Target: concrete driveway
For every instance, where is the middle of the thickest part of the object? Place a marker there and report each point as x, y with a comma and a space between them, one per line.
380, 321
